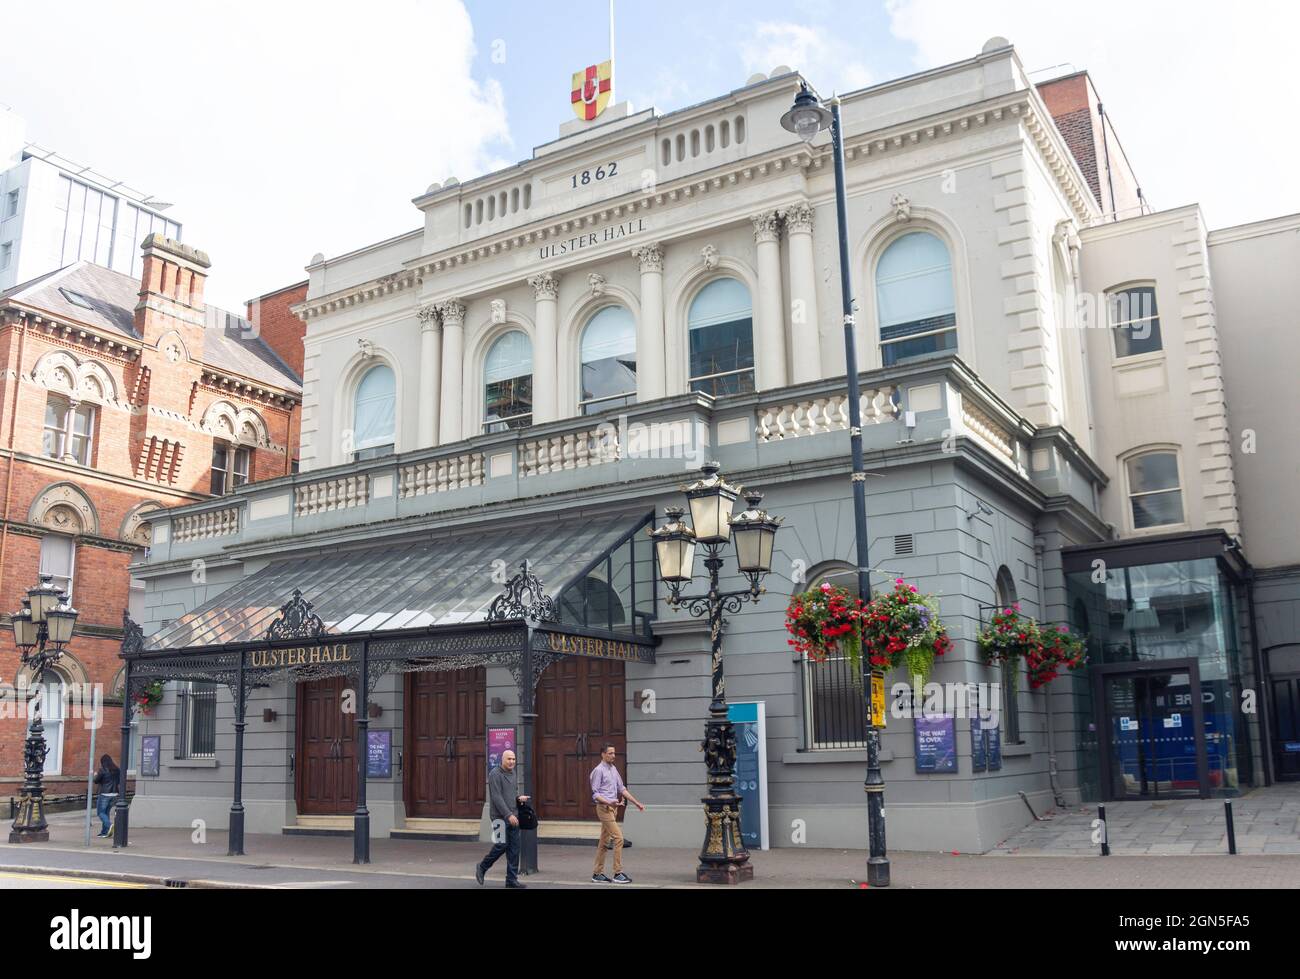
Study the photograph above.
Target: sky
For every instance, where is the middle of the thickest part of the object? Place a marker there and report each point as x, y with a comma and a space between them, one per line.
281, 129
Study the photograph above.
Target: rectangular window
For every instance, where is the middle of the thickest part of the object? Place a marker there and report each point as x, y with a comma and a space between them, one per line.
835, 709
68, 433
196, 720
11, 203
722, 357
58, 558
1155, 494
6, 254
220, 468
1134, 321
230, 467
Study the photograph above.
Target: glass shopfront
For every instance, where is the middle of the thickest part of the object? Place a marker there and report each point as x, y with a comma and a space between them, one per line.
1162, 715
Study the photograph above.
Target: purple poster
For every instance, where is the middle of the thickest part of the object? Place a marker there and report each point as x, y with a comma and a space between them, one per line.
499, 741
936, 744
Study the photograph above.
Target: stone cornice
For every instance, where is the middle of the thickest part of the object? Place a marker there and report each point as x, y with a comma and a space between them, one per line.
1020, 105
85, 472
72, 333
234, 385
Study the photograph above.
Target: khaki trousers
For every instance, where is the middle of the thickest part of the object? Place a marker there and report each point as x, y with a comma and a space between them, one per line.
609, 830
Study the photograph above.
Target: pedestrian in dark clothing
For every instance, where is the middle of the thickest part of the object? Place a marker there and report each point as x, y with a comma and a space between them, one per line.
503, 803
108, 780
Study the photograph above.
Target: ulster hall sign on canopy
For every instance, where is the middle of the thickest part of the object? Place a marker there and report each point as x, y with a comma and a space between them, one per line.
464, 555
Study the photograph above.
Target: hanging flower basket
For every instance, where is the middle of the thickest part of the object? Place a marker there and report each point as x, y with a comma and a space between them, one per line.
826, 621
895, 628
1046, 650
150, 697
902, 628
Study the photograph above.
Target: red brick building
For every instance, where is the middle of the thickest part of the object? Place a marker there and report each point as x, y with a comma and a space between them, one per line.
118, 397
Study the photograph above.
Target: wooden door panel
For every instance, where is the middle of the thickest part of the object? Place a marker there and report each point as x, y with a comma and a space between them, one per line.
326, 749
445, 729
580, 707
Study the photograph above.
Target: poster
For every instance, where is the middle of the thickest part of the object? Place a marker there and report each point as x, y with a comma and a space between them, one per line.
877, 700
985, 746
936, 744
150, 754
750, 721
499, 741
379, 754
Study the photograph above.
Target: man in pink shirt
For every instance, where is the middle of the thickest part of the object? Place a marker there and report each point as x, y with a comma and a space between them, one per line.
608, 792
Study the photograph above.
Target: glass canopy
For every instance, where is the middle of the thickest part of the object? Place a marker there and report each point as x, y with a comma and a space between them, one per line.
598, 569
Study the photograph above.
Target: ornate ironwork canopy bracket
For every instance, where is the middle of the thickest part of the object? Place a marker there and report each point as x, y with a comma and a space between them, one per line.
524, 598
132, 636
296, 620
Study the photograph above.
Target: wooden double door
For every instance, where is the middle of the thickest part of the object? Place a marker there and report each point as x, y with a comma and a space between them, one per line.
446, 744
581, 707
326, 766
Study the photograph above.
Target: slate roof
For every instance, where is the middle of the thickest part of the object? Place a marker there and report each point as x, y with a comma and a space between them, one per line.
106, 300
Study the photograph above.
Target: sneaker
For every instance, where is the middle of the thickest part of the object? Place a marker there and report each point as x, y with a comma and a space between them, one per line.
622, 879
514, 885
627, 844
478, 872
600, 879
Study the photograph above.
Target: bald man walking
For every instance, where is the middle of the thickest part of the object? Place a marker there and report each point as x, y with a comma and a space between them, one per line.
503, 802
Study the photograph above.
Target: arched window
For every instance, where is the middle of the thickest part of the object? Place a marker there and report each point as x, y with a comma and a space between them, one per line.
914, 297
834, 708
53, 694
721, 329
1006, 589
508, 383
1154, 490
608, 353
374, 414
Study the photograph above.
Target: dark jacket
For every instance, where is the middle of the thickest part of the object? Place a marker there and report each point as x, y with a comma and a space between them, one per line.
503, 797
107, 782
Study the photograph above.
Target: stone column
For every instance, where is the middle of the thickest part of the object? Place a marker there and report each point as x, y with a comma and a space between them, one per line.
651, 360
430, 375
805, 324
769, 310
546, 290
450, 415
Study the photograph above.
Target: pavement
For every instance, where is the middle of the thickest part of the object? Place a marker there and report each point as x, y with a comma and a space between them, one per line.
170, 857
1266, 820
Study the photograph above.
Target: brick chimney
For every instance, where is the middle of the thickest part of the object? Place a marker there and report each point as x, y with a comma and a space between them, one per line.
171, 291
170, 319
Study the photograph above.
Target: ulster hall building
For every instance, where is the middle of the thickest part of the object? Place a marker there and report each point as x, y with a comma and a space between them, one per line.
1070, 400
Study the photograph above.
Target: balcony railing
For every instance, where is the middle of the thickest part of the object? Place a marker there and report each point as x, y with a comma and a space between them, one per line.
926, 402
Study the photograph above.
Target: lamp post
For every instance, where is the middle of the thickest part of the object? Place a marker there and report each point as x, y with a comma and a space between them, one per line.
41, 631
806, 118
723, 858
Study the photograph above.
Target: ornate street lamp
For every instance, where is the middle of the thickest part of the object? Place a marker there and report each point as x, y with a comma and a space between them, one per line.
806, 118
723, 858
41, 631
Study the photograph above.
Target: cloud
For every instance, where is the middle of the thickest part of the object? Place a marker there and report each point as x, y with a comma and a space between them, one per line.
1193, 89
827, 63
311, 132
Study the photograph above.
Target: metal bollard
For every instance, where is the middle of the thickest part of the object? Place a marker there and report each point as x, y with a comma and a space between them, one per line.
1232, 833
1105, 833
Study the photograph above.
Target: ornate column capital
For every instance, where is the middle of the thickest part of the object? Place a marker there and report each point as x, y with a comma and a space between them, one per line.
650, 256
451, 312
546, 286
428, 316
798, 218
767, 226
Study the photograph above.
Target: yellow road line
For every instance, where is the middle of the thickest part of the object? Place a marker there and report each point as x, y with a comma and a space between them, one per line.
88, 881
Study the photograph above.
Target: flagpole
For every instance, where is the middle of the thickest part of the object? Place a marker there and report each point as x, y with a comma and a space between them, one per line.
612, 71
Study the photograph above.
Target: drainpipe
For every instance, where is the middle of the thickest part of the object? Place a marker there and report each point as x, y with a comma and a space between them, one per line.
1040, 545
13, 418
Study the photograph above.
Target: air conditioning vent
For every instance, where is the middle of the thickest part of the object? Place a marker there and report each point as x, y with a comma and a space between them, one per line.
903, 545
